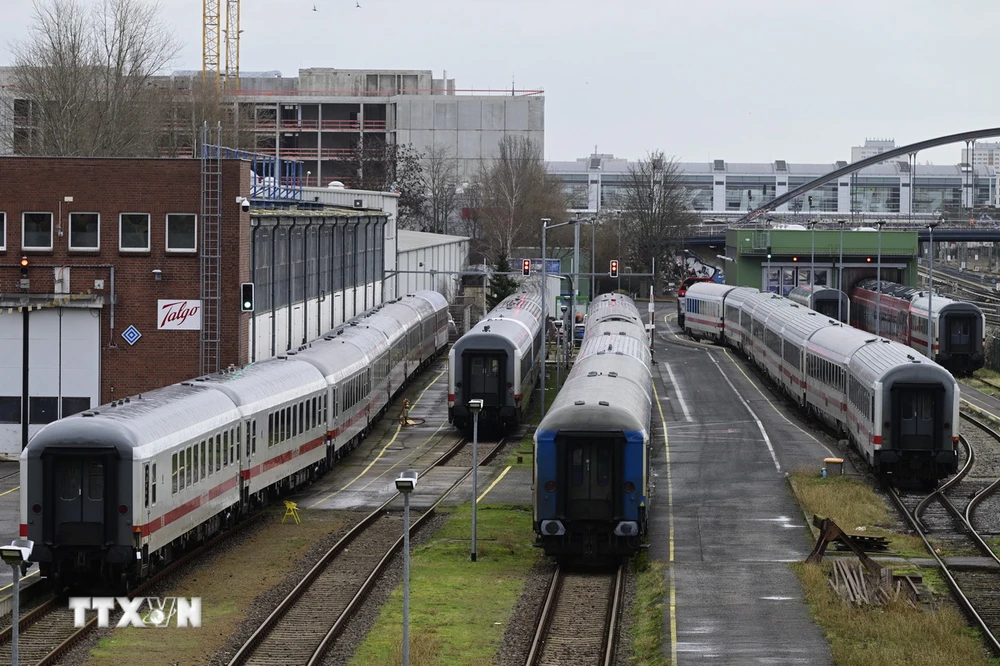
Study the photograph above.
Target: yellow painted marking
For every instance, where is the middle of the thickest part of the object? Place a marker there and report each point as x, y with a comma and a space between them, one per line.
495, 482
670, 538
8, 492
23, 578
769, 402
380, 453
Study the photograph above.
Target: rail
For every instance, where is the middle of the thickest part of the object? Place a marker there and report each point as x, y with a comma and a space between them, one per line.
248, 651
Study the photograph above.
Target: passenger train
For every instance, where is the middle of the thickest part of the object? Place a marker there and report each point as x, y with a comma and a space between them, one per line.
898, 409
957, 328
827, 301
115, 492
498, 361
591, 472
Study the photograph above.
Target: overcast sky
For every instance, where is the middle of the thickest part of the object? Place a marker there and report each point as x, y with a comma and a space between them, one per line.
798, 80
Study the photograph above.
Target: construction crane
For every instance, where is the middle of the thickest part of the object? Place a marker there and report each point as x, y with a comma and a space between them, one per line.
211, 41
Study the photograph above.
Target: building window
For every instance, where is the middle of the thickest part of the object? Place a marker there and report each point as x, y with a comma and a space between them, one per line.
72, 406
10, 409
84, 231
181, 229
134, 232
42, 409
36, 231
3, 231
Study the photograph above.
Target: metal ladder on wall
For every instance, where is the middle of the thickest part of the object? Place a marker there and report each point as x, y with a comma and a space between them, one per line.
211, 251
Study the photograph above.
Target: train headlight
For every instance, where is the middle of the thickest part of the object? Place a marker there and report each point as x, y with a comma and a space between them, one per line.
629, 487
550, 486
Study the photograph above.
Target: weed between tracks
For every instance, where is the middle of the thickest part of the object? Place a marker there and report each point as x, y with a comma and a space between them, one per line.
647, 612
854, 506
888, 635
228, 582
458, 609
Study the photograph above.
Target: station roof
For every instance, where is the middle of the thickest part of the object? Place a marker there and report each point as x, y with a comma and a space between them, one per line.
417, 240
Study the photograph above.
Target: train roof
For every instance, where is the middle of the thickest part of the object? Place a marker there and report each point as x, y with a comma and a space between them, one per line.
838, 342
943, 303
615, 345
886, 361
602, 395
612, 307
433, 298
262, 386
888, 288
516, 319
710, 289
161, 418
613, 327
340, 356
799, 322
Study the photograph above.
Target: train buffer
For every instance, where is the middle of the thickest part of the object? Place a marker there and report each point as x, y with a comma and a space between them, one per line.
291, 509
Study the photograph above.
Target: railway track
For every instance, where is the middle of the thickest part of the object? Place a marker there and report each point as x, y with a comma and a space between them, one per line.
579, 621
47, 632
946, 518
309, 620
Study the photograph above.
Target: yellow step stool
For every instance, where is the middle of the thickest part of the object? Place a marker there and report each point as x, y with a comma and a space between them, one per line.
291, 509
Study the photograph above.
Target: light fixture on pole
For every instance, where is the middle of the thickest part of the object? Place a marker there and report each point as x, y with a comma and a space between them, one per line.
878, 281
16, 555
930, 294
545, 308
840, 274
475, 406
405, 483
812, 254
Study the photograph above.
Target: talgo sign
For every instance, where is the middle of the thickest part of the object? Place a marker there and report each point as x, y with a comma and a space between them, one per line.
178, 315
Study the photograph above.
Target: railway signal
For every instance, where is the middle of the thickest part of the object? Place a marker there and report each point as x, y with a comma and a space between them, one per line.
613, 268
24, 267
246, 297
526, 267
768, 252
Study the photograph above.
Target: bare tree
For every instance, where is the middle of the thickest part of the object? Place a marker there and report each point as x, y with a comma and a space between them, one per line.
192, 107
517, 192
440, 180
84, 79
389, 167
655, 214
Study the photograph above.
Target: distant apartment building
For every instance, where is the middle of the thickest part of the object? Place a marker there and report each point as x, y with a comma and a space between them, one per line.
982, 153
322, 115
871, 148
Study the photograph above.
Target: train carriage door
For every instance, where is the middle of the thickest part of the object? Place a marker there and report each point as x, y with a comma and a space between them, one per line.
486, 377
81, 486
916, 417
590, 478
957, 336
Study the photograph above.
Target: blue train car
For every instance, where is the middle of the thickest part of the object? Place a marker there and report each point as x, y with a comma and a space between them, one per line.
591, 474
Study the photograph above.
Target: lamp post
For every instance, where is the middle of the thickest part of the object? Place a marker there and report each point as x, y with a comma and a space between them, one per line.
545, 307
878, 281
593, 269
475, 406
812, 254
840, 273
16, 555
930, 293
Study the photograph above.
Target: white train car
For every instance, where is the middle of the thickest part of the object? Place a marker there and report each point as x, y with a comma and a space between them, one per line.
112, 493
736, 329
703, 312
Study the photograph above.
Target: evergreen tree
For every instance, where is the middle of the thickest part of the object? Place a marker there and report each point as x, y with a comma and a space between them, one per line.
501, 286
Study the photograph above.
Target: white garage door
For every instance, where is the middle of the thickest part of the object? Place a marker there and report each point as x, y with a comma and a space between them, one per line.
64, 355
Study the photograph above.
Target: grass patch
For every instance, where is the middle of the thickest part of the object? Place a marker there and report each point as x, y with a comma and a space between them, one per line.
888, 635
458, 609
854, 506
228, 583
647, 612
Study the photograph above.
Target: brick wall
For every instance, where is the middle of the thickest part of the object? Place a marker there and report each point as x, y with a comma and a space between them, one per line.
111, 187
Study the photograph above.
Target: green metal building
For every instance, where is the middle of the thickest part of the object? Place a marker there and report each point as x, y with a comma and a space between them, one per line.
790, 252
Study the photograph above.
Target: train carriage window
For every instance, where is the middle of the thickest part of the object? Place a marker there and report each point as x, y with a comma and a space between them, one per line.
196, 468
218, 454
233, 449
180, 470
154, 484
270, 430
603, 466
302, 417
173, 474
237, 434
211, 457
204, 461
145, 485
189, 466
907, 408
282, 425
253, 437
225, 449
576, 458
292, 423
926, 407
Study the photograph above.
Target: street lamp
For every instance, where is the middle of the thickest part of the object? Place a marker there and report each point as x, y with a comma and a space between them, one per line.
840, 273
475, 406
812, 254
930, 293
878, 280
16, 555
545, 306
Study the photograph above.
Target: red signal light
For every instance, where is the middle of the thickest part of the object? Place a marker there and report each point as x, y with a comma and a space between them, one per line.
526, 267
24, 267
795, 258
869, 260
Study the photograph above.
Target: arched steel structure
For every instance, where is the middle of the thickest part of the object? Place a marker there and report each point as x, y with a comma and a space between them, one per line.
881, 157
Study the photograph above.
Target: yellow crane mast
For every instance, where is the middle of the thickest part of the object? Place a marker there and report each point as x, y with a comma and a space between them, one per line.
211, 40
